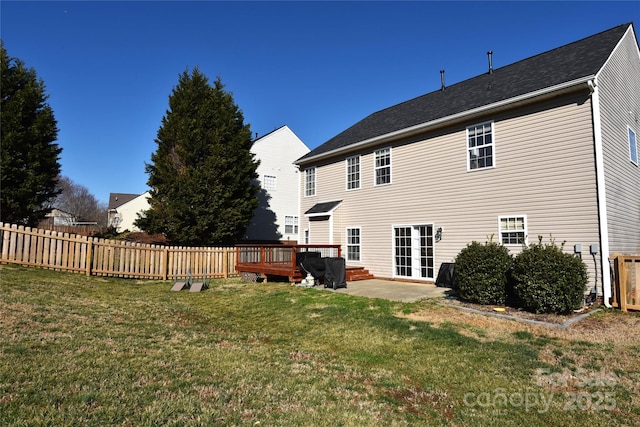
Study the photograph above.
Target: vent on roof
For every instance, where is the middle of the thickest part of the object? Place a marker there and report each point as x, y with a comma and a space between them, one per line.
442, 79
490, 56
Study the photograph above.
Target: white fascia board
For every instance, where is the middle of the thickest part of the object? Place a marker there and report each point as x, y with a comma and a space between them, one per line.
567, 86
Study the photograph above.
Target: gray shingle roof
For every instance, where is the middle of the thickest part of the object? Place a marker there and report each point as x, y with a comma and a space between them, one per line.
564, 64
119, 199
321, 208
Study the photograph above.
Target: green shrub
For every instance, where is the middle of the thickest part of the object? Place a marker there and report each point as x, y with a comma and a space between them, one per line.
482, 272
548, 280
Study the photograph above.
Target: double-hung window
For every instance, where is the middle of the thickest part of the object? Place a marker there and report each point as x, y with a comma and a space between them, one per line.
269, 183
353, 244
382, 166
310, 182
513, 230
480, 146
353, 173
633, 147
291, 225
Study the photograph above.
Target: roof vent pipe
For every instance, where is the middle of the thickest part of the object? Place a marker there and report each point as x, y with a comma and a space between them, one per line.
442, 79
490, 56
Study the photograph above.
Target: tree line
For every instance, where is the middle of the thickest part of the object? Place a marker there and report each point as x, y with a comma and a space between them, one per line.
202, 176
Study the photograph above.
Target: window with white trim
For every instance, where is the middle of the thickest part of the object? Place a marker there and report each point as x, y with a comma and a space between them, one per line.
480, 147
633, 147
291, 225
269, 183
310, 182
382, 166
353, 244
513, 230
353, 173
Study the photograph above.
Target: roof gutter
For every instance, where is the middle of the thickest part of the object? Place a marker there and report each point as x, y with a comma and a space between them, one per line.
563, 87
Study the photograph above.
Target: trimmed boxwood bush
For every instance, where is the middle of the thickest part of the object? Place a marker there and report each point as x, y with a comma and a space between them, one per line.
482, 272
548, 280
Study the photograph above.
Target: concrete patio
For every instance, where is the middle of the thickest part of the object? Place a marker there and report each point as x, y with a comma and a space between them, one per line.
392, 290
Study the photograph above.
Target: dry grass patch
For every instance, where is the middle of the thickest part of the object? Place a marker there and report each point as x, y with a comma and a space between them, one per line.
79, 351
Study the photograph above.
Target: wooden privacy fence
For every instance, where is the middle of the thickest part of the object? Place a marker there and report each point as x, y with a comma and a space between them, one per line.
626, 295
102, 257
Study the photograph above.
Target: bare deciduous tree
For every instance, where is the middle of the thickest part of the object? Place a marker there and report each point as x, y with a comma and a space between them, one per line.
78, 201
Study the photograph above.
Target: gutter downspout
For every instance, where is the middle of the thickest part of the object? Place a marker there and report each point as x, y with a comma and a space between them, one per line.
602, 198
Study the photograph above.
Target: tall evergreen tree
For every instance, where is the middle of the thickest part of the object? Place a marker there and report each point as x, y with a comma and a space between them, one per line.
202, 174
29, 162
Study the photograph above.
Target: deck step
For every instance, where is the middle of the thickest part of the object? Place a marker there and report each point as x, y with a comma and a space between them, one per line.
358, 273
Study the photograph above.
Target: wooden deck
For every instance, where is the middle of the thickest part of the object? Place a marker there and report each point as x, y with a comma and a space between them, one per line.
265, 261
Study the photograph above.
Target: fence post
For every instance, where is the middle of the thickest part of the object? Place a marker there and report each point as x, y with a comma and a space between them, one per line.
622, 283
165, 264
225, 263
89, 255
6, 237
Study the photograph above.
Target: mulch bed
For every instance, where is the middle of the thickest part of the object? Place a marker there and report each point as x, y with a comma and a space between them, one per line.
519, 313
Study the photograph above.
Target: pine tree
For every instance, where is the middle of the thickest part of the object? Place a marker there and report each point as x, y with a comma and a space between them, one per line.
202, 174
29, 163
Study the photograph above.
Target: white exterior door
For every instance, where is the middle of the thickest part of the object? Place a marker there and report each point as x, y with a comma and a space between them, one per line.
413, 251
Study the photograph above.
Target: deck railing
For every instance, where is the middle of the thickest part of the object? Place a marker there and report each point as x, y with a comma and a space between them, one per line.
277, 259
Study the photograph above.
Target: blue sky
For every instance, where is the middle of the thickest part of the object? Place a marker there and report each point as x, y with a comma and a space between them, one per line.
318, 67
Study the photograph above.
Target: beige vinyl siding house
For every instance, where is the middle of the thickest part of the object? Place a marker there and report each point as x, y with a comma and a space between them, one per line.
431, 185
519, 160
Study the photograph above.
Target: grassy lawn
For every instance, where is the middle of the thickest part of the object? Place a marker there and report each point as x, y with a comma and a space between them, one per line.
78, 350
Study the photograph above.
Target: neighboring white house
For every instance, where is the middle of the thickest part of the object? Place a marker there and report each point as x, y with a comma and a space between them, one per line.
58, 217
276, 218
124, 209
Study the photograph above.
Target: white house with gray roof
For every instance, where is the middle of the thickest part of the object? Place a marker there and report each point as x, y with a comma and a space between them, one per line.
123, 210
546, 146
276, 218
